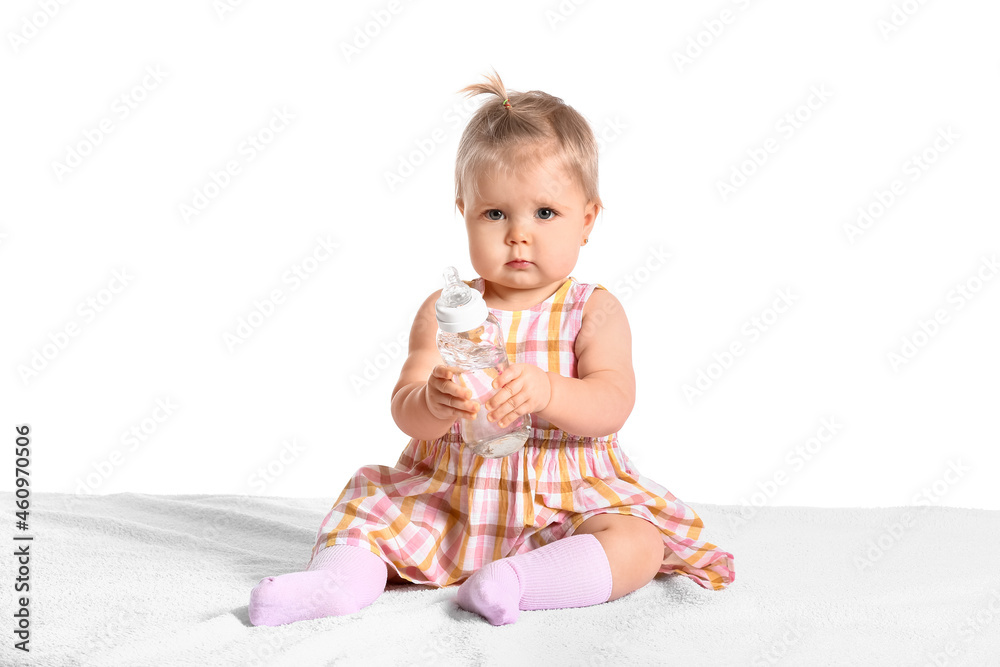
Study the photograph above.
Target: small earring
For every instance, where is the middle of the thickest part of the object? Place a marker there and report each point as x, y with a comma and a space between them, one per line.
585, 242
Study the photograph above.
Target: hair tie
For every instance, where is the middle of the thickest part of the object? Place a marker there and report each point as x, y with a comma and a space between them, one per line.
506, 103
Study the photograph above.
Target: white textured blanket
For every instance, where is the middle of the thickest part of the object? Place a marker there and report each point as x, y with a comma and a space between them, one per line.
132, 579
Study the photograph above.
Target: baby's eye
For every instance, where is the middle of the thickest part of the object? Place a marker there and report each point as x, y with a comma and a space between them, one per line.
489, 214
551, 215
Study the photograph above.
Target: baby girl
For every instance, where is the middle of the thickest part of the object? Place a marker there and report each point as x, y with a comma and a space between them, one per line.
565, 521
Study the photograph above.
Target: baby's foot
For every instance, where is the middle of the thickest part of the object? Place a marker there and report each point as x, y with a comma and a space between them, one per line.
342, 579
493, 592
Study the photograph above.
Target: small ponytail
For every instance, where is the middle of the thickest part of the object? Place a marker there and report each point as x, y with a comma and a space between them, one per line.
493, 85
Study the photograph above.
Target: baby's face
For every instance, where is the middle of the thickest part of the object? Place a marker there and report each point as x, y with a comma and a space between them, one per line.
539, 215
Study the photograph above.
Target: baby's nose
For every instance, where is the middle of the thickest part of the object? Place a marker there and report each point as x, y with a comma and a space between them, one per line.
517, 233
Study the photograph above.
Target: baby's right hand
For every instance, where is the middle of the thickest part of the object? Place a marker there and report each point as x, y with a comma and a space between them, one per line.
446, 398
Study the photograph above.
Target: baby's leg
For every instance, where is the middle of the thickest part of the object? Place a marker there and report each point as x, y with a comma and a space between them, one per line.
571, 572
341, 579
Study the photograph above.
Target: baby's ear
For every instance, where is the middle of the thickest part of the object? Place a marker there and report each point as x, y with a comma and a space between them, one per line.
461, 206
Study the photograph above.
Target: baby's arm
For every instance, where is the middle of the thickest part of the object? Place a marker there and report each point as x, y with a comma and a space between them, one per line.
413, 399
598, 402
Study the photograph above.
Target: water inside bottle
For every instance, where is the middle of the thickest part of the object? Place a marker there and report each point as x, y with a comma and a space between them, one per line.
467, 351
482, 364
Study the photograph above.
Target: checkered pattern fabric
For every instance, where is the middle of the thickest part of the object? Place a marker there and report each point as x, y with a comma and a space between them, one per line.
442, 512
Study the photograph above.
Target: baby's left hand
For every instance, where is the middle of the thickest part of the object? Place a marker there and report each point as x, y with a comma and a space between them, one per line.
522, 388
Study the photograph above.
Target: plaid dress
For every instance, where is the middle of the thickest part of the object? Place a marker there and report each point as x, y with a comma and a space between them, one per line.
442, 511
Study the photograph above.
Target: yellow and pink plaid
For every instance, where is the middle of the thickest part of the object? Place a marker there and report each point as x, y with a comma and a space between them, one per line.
442, 512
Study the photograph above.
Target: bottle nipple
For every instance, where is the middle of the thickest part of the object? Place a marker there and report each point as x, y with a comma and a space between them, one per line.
455, 293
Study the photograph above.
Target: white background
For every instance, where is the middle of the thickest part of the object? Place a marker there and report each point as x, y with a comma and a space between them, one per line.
289, 398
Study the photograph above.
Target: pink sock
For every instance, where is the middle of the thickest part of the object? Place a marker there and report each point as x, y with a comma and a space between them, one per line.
341, 579
571, 572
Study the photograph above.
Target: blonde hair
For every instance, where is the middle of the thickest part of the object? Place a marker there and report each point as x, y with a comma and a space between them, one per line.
535, 125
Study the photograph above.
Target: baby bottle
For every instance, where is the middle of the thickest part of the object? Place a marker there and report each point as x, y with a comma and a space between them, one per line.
469, 337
